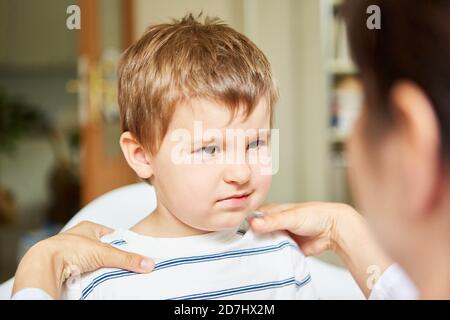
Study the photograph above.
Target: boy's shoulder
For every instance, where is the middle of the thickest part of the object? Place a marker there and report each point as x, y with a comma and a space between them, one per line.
281, 238
129, 241
116, 238
246, 244
76, 286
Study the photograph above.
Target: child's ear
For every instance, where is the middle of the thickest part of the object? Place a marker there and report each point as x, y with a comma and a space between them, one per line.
136, 155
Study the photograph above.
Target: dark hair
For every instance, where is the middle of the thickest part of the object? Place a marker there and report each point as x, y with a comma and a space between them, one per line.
412, 44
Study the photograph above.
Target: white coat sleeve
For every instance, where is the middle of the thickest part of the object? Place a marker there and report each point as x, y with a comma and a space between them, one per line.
31, 294
394, 284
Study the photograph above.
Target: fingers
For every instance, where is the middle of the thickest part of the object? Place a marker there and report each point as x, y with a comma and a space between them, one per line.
285, 220
267, 207
270, 208
89, 229
102, 230
314, 247
116, 258
303, 219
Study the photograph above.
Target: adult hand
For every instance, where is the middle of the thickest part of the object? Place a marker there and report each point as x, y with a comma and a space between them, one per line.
50, 262
322, 226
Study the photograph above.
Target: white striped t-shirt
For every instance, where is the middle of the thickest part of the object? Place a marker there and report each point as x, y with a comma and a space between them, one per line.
219, 265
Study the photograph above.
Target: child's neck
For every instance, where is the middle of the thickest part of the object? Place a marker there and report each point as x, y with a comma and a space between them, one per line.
162, 223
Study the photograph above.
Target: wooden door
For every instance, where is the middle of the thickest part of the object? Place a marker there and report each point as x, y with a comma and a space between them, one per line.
103, 166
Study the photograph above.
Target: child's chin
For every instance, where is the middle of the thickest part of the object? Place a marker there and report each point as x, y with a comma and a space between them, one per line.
233, 220
227, 220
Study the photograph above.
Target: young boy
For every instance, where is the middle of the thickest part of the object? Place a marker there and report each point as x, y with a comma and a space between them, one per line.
184, 89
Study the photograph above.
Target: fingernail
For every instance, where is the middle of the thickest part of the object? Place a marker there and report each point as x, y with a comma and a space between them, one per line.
259, 222
147, 264
258, 214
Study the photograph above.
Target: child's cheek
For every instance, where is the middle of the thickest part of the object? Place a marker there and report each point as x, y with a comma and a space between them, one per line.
262, 184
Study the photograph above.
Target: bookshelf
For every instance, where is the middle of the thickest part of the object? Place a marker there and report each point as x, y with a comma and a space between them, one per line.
343, 96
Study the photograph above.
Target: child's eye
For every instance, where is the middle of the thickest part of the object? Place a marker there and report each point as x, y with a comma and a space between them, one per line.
256, 144
209, 150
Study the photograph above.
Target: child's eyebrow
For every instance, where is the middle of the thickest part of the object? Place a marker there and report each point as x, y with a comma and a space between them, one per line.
262, 133
202, 140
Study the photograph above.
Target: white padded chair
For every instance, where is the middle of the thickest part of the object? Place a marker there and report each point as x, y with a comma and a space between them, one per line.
125, 206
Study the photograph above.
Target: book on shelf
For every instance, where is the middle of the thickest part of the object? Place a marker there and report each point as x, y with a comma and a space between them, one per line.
337, 49
345, 107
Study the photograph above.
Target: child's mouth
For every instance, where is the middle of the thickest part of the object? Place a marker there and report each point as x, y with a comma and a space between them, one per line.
236, 201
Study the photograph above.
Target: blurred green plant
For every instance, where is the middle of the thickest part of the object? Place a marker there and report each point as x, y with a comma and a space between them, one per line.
18, 118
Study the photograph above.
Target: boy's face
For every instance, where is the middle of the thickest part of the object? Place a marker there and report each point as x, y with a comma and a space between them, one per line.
205, 172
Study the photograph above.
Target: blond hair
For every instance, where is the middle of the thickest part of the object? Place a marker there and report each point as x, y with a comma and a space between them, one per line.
188, 59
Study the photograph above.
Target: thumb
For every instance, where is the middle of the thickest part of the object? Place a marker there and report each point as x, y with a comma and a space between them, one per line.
287, 220
116, 258
271, 208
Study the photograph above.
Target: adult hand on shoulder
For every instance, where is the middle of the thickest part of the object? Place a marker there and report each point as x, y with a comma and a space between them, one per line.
78, 250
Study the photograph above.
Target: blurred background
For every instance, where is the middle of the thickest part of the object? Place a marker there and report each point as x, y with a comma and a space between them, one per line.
59, 125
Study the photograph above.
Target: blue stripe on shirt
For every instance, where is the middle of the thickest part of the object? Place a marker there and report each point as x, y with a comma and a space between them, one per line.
223, 255
245, 289
118, 242
187, 260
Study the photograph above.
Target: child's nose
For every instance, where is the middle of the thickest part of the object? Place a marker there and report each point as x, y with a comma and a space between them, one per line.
238, 173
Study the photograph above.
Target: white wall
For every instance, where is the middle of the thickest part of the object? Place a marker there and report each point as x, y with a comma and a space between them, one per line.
312, 115
155, 11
